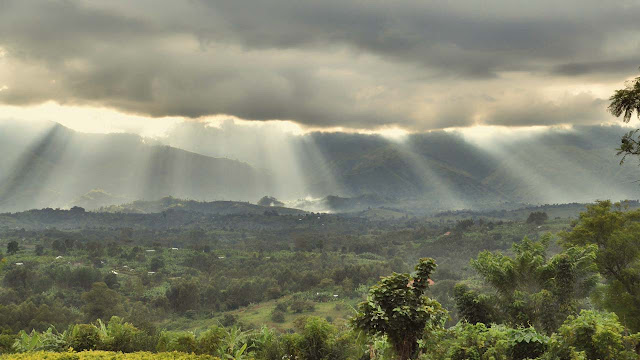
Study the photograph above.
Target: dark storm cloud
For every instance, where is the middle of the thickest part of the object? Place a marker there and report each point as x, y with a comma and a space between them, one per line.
622, 66
350, 63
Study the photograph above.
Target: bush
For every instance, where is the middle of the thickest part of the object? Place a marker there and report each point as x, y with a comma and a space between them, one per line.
277, 316
281, 307
211, 340
123, 337
228, 320
84, 337
597, 335
6, 343
49, 340
477, 341
299, 306
181, 342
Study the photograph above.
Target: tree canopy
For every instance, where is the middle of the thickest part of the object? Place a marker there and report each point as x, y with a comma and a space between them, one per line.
624, 102
397, 307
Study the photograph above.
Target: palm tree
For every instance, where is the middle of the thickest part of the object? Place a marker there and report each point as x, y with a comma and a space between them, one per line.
624, 102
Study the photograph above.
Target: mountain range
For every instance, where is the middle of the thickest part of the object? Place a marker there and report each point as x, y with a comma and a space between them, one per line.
52, 166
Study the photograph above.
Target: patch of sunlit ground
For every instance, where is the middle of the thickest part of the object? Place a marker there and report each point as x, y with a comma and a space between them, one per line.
338, 311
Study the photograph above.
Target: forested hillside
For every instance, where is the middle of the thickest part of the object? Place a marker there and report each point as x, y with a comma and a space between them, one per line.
52, 166
189, 279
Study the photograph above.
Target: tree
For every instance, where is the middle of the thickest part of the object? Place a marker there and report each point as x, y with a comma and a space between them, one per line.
270, 201
59, 246
533, 290
625, 102
593, 335
111, 280
157, 263
20, 278
397, 307
537, 217
472, 307
77, 210
615, 233
12, 247
277, 316
183, 296
101, 302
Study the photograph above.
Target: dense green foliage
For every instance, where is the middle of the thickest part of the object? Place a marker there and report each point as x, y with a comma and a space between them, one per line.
531, 290
615, 233
396, 307
273, 286
625, 102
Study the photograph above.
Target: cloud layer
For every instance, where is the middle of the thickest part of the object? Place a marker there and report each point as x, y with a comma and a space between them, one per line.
356, 64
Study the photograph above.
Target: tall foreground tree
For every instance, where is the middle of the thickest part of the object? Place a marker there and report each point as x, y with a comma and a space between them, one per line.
616, 233
625, 102
397, 307
529, 288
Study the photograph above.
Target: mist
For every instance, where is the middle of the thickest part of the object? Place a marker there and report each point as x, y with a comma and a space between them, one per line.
53, 166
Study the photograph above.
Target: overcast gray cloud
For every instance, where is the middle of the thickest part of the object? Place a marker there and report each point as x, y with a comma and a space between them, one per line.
351, 63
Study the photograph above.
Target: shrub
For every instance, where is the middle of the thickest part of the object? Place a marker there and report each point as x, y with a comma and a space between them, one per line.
49, 340
84, 337
598, 335
277, 316
281, 307
299, 306
181, 342
6, 343
477, 341
211, 340
121, 336
228, 320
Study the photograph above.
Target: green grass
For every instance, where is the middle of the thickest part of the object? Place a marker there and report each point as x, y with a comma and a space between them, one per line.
259, 314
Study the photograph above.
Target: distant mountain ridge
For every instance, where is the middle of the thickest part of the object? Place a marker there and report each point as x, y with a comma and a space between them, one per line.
443, 170
205, 207
53, 166
59, 166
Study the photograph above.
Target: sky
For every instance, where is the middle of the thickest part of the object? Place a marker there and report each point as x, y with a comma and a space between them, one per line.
392, 67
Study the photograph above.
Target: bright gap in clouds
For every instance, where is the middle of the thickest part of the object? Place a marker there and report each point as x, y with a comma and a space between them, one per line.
489, 136
89, 119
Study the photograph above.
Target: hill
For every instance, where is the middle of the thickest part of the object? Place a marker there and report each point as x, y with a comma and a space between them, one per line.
60, 168
425, 173
212, 207
445, 170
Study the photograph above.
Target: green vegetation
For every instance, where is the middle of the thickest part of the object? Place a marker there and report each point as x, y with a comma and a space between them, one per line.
397, 308
273, 286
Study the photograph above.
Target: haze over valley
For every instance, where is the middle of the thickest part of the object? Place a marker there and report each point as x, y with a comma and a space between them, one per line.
49, 165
